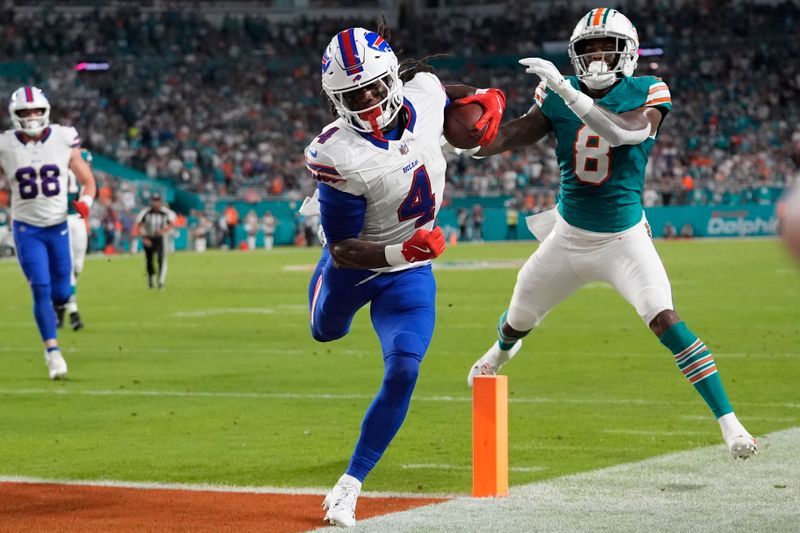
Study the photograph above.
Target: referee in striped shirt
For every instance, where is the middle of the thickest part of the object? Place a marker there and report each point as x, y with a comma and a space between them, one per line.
155, 223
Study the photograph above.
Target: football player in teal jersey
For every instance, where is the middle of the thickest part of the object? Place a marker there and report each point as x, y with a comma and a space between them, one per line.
605, 122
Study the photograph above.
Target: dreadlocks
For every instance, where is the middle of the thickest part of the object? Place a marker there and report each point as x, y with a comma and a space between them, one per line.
408, 67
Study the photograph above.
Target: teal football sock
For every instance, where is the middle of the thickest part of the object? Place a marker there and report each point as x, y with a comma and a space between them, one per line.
504, 341
695, 361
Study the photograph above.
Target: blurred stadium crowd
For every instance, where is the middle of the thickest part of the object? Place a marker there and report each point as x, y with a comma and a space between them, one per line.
225, 109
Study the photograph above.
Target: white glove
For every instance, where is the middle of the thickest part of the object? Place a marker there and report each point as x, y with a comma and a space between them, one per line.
557, 83
551, 76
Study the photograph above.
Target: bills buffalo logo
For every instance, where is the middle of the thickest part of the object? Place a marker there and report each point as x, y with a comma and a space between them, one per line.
376, 42
326, 60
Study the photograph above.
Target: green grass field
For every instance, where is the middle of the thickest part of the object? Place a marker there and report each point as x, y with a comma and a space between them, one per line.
216, 379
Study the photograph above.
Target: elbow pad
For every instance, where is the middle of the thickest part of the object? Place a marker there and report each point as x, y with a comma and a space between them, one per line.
584, 107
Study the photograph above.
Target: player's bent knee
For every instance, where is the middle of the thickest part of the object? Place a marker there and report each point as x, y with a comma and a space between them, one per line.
651, 301
324, 335
327, 330
61, 295
401, 372
406, 344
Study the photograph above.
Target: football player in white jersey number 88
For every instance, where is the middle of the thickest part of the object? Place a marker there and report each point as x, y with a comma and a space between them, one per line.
381, 176
36, 157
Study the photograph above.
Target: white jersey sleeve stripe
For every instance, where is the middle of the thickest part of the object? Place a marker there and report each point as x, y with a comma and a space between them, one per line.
658, 95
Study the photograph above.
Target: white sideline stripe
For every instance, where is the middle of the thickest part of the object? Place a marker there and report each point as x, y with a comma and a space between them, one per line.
225, 311
432, 466
510, 264
784, 419
695, 490
648, 433
337, 396
207, 487
280, 351
214, 311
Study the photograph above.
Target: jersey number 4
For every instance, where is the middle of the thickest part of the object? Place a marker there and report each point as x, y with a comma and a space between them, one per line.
28, 188
420, 202
592, 157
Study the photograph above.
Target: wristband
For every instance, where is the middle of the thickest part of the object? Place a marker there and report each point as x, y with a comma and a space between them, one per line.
88, 200
394, 255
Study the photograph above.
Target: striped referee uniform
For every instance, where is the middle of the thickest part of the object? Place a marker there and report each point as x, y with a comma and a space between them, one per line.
155, 223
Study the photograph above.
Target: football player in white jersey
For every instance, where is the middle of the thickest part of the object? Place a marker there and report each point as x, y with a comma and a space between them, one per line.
381, 177
37, 156
78, 241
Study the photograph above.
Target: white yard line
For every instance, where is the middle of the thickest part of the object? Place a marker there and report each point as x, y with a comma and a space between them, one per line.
63, 391
436, 466
697, 490
206, 487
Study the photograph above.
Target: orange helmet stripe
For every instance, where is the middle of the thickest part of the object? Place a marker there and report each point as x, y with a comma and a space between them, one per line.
597, 16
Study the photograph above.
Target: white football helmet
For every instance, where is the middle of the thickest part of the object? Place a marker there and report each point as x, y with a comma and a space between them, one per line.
29, 98
354, 59
600, 23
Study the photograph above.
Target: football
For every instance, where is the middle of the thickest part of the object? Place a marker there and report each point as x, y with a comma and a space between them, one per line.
458, 123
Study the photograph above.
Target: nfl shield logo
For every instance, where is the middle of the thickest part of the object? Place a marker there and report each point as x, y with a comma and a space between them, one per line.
404, 148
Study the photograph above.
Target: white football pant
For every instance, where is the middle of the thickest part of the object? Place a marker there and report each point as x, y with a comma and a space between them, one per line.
571, 257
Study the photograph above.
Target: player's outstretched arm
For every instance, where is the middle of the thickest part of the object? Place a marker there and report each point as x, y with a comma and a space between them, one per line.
631, 127
524, 131
358, 253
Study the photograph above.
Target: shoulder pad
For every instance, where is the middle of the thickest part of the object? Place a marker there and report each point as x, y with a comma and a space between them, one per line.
67, 134
330, 159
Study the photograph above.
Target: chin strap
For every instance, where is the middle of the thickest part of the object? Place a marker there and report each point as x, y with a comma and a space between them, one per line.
372, 117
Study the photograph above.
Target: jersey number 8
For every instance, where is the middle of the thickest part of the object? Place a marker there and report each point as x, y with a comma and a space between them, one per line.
28, 189
592, 157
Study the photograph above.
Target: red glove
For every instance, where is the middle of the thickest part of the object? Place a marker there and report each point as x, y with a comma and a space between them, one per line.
82, 208
424, 245
493, 102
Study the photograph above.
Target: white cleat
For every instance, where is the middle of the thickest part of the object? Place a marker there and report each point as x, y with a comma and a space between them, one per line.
492, 361
340, 503
742, 446
56, 366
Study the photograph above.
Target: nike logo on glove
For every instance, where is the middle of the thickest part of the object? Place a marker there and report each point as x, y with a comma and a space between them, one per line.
423, 250
313, 153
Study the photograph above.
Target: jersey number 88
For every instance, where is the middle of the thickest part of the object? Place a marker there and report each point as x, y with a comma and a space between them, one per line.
28, 189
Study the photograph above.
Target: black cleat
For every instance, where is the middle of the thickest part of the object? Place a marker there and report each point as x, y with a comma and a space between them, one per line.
59, 316
75, 321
